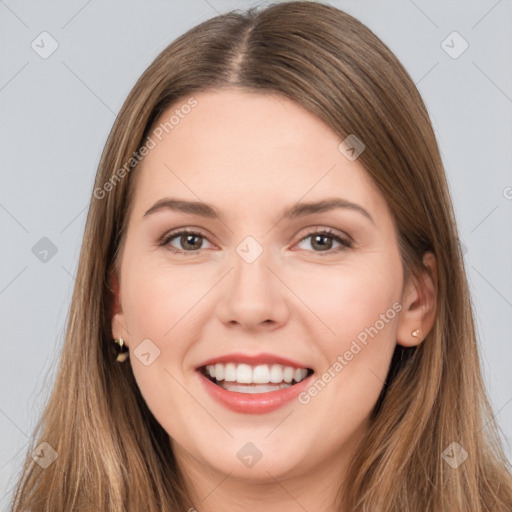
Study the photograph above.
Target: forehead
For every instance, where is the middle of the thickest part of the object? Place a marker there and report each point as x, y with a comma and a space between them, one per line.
246, 151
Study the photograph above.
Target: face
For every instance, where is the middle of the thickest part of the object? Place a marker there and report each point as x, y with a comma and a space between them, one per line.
261, 292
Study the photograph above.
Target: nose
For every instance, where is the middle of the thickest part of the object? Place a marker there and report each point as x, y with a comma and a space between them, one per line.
254, 296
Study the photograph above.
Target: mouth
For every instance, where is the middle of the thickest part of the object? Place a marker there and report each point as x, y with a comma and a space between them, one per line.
254, 379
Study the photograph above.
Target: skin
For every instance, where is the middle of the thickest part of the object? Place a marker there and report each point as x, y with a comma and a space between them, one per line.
251, 156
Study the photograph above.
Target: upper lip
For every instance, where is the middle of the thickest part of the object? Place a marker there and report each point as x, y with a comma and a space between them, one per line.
253, 360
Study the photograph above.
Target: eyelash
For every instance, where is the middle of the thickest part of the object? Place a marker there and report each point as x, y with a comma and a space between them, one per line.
345, 244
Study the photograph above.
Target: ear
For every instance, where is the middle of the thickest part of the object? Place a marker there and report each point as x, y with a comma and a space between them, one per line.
419, 304
118, 321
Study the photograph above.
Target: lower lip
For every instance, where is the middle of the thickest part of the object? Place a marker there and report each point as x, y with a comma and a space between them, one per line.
253, 403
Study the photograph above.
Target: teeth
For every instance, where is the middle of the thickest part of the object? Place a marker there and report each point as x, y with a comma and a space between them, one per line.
261, 374
230, 372
289, 372
260, 388
219, 371
244, 374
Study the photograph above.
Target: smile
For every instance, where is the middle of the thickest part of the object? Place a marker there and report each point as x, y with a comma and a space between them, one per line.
263, 378
253, 384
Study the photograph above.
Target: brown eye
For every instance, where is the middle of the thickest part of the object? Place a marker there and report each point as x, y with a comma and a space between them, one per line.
322, 241
188, 242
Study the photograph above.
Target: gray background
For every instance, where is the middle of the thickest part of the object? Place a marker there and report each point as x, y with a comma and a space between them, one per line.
57, 112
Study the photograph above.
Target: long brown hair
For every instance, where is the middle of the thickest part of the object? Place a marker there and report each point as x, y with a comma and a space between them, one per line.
112, 453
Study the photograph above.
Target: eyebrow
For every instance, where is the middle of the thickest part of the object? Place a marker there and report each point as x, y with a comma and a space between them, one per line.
296, 211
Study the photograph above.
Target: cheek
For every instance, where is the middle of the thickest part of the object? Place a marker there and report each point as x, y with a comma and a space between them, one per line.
347, 300
360, 306
161, 301
162, 304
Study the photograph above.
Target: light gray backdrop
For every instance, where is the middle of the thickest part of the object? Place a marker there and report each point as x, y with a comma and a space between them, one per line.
67, 66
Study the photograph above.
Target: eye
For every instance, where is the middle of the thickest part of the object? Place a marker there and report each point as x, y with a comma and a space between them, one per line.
323, 240
190, 241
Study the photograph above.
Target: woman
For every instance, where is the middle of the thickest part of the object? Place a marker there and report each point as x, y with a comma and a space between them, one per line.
272, 251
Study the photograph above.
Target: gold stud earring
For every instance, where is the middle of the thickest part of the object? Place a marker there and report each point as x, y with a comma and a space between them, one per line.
415, 333
123, 353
